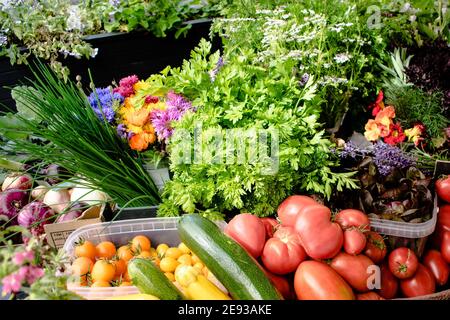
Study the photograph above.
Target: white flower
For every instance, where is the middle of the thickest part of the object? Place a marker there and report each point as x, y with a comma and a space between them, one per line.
94, 53
412, 18
74, 18
405, 7
3, 40
342, 57
327, 65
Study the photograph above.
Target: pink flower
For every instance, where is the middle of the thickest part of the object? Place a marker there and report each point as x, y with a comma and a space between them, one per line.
30, 273
12, 283
125, 88
21, 257
34, 273
128, 81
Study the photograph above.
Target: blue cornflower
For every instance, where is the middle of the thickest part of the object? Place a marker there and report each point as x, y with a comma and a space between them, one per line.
103, 101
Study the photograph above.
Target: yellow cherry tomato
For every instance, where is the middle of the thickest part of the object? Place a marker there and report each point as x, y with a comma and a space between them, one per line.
168, 264
184, 248
195, 259
161, 249
185, 259
173, 253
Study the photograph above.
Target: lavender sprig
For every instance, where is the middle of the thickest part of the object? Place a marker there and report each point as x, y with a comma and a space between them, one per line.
387, 158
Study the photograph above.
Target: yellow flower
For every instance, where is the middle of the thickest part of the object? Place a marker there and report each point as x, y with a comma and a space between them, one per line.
414, 133
372, 132
385, 116
141, 85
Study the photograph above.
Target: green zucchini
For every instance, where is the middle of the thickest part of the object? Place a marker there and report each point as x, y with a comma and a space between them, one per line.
226, 259
150, 280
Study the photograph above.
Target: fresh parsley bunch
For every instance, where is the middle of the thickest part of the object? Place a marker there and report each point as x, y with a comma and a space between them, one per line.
230, 92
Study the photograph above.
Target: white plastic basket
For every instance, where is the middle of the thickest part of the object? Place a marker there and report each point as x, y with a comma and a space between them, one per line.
412, 235
159, 230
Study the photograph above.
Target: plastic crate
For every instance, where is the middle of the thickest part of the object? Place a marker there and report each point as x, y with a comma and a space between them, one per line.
404, 234
129, 213
159, 230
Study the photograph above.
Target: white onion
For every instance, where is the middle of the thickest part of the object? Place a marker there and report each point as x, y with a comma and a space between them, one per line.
39, 192
58, 200
87, 195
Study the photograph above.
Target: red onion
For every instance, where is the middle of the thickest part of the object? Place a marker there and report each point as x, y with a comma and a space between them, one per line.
34, 216
17, 181
11, 202
74, 212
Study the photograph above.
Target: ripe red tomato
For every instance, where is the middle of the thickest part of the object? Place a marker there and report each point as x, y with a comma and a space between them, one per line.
443, 222
249, 231
353, 218
315, 280
445, 246
422, 283
321, 238
369, 296
354, 241
271, 226
403, 263
443, 188
354, 269
282, 285
375, 248
290, 208
283, 253
389, 283
434, 261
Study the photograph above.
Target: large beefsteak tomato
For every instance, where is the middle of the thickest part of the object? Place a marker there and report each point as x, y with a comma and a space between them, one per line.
290, 208
249, 231
283, 253
271, 225
321, 238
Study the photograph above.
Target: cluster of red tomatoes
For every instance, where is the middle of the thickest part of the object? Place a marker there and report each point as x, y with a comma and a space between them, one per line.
309, 255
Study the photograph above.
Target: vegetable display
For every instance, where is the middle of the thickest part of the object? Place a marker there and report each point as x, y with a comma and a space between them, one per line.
226, 259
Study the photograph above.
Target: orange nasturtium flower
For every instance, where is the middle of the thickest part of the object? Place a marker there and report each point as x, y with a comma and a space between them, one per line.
138, 117
141, 141
373, 131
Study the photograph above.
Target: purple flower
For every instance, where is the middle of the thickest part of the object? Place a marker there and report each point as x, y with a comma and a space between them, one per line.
122, 131
176, 101
387, 158
304, 79
351, 150
102, 102
216, 69
162, 120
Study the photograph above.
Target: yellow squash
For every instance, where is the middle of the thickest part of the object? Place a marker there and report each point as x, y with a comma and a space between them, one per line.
197, 286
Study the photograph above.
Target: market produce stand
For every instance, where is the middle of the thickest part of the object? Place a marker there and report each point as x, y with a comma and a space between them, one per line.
307, 159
